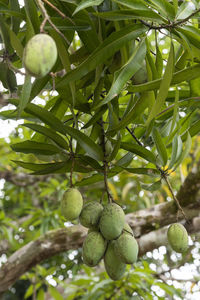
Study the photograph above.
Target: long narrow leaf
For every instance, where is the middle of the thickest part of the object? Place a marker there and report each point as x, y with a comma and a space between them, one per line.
60, 141
35, 147
127, 71
109, 46
160, 146
139, 150
165, 84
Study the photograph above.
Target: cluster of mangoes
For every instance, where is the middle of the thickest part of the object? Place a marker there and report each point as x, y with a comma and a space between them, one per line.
108, 237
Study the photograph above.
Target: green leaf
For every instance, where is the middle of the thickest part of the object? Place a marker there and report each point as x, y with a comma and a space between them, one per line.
15, 42
32, 14
153, 187
126, 72
164, 86
194, 128
109, 46
29, 292
90, 180
164, 7
139, 150
175, 112
160, 146
35, 147
43, 114
177, 148
41, 295
136, 4
115, 148
87, 3
54, 293
125, 14
48, 118
133, 113
50, 133
159, 61
37, 167
25, 94
186, 150
143, 171
184, 75
85, 142
95, 117
51, 168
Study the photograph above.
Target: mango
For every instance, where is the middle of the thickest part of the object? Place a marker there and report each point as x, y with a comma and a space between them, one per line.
127, 229
126, 248
94, 247
112, 221
40, 55
178, 237
90, 214
113, 265
71, 204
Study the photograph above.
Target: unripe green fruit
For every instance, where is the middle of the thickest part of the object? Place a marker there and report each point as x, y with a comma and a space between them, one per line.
94, 247
178, 237
93, 229
40, 55
112, 221
91, 214
140, 76
113, 265
126, 248
127, 229
108, 147
71, 204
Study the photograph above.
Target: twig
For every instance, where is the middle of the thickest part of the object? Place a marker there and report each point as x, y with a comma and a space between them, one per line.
47, 19
72, 157
133, 135
58, 11
171, 24
105, 163
171, 106
164, 176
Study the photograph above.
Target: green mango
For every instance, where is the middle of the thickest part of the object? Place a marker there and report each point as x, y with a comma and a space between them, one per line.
178, 237
127, 229
113, 265
90, 214
112, 221
126, 248
71, 204
94, 247
40, 55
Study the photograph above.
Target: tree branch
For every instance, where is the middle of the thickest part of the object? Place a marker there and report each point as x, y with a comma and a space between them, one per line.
144, 224
56, 241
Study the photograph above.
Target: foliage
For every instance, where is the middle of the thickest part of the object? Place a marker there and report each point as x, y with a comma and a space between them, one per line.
120, 108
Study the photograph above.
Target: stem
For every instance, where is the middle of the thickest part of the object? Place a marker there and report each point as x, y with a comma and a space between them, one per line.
173, 196
170, 25
58, 11
105, 163
164, 176
133, 135
47, 19
72, 167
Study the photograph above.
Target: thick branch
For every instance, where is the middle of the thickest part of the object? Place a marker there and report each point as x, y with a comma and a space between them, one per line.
65, 239
144, 224
33, 253
190, 188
